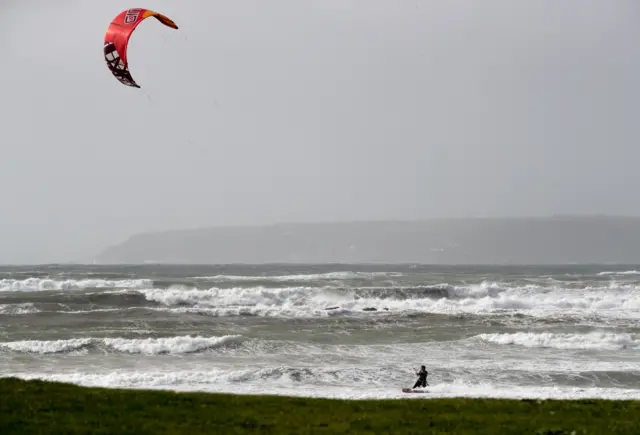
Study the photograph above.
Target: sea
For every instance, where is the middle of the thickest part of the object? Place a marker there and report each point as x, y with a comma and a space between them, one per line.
335, 331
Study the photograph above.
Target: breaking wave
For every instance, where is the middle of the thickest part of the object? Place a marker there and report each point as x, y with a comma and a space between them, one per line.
332, 276
618, 300
44, 284
144, 346
18, 309
486, 298
591, 341
620, 273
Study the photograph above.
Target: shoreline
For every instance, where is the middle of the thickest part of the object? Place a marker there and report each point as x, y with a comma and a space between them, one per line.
38, 406
433, 392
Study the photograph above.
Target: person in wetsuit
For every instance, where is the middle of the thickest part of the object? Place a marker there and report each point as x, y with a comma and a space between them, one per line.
422, 377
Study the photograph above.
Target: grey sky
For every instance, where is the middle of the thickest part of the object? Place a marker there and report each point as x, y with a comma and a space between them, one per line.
257, 112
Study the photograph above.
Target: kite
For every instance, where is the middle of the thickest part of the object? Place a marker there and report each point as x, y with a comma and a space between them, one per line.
117, 39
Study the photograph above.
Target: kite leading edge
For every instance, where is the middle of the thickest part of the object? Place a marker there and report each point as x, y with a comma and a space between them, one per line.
117, 39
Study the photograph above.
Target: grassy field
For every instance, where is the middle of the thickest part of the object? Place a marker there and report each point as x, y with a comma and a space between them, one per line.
43, 407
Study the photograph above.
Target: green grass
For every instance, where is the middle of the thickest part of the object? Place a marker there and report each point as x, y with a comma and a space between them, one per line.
44, 407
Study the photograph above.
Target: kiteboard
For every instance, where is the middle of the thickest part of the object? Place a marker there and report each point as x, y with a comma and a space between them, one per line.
411, 390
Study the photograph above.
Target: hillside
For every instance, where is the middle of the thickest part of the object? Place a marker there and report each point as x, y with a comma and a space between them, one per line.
553, 240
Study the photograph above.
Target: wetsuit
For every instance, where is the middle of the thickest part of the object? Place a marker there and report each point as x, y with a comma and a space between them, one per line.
422, 379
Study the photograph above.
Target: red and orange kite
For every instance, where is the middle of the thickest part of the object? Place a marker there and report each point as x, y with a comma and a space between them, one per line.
117, 39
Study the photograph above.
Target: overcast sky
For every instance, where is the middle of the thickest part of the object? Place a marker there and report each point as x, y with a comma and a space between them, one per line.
294, 110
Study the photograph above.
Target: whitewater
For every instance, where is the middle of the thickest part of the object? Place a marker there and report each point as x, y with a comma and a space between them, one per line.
340, 331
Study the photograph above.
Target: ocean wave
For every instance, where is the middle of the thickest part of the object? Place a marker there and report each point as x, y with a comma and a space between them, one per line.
171, 345
18, 309
46, 347
292, 301
590, 341
332, 276
144, 346
617, 302
44, 284
620, 273
611, 299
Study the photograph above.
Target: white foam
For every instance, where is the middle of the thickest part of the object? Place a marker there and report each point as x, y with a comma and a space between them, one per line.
333, 276
171, 345
591, 340
46, 347
145, 346
262, 301
614, 301
621, 273
44, 284
457, 368
18, 309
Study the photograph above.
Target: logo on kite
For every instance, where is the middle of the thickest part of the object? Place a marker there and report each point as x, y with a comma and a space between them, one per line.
132, 16
117, 37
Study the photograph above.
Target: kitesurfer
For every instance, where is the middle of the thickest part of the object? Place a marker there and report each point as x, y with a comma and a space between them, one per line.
422, 377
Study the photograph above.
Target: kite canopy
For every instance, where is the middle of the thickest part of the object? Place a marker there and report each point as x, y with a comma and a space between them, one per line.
117, 39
